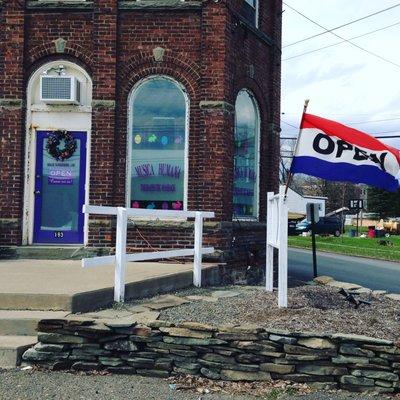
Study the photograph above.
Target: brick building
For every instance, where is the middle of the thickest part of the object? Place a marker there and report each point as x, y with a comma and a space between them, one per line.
150, 103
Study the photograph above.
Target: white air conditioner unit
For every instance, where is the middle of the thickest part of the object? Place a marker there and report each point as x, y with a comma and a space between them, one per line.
55, 89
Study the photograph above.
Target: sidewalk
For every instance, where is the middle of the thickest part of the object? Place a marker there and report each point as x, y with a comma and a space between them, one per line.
65, 285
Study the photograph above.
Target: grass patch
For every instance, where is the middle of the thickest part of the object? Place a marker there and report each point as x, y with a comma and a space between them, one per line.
363, 247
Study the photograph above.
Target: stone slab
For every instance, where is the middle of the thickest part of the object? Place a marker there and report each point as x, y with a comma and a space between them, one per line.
223, 294
393, 296
12, 348
323, 280
208, 299
166, 301
109, 313
21, 322
344, 285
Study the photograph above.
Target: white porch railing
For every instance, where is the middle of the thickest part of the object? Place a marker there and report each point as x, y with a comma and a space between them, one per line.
277, 237
121, 258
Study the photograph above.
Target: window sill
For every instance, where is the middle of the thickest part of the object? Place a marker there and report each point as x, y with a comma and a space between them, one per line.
60, 108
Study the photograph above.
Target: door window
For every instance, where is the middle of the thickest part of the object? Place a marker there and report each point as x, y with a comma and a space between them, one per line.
59, 187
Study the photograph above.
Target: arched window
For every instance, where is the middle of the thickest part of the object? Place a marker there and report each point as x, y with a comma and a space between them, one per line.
246, 174
158, 145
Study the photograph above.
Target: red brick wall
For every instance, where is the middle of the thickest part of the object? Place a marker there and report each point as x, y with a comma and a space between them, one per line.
11, 117
209, 50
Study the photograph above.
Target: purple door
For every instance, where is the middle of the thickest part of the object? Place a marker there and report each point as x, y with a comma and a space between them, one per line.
60, 177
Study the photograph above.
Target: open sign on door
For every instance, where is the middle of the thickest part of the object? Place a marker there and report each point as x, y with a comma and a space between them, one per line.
60, 175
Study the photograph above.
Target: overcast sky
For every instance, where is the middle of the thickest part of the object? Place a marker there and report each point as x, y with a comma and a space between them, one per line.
342, 82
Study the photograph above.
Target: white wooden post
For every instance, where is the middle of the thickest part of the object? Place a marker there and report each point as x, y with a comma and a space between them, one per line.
120, 255
283, 254
269, 267
198, 239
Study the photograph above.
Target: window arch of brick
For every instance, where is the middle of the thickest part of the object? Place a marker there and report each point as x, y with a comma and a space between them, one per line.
45, 52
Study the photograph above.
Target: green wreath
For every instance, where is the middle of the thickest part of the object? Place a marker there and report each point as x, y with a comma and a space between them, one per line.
53, 143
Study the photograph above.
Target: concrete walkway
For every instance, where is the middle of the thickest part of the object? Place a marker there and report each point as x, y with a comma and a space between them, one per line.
65, 285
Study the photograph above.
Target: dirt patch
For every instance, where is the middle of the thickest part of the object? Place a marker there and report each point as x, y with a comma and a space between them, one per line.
311, 308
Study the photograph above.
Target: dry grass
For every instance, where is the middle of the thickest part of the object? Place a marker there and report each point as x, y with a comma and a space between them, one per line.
311, 308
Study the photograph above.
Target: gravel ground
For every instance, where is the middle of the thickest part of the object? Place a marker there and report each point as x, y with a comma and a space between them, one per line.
311, 308
36, 385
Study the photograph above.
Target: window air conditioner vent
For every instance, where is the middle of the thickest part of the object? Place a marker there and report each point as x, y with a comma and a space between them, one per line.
60, 90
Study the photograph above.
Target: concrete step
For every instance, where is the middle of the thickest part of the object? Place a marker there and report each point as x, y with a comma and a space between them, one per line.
36, 301
12, 348
24, 322
50, 252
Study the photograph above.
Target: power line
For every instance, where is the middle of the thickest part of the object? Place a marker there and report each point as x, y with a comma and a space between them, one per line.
369, 133
378, 133
349, 115
343, 41
340, 26
342, 38
355, 123
287, 123
374, 120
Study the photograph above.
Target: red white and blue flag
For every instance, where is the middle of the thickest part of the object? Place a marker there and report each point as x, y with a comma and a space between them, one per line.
336, 152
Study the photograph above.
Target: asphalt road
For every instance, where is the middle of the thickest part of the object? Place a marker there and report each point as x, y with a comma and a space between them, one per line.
373, 274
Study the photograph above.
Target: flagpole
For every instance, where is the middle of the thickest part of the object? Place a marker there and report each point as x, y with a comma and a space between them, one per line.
289, 180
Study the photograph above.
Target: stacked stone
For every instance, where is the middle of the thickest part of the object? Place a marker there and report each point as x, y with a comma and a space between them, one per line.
249, 353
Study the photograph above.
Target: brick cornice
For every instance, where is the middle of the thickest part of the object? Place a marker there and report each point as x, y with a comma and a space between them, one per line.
156, 5
59, 5
129, 5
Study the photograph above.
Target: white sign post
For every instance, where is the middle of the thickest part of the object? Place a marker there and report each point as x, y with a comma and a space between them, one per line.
277, 238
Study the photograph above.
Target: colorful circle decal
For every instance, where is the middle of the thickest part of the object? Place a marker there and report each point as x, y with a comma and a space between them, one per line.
179, 140
177, 205
138, 139
164, 140
152, 138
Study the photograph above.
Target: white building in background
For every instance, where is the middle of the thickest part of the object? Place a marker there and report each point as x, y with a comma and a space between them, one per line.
297, 203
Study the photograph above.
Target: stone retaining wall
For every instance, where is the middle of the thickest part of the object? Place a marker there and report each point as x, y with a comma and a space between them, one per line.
351, 362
